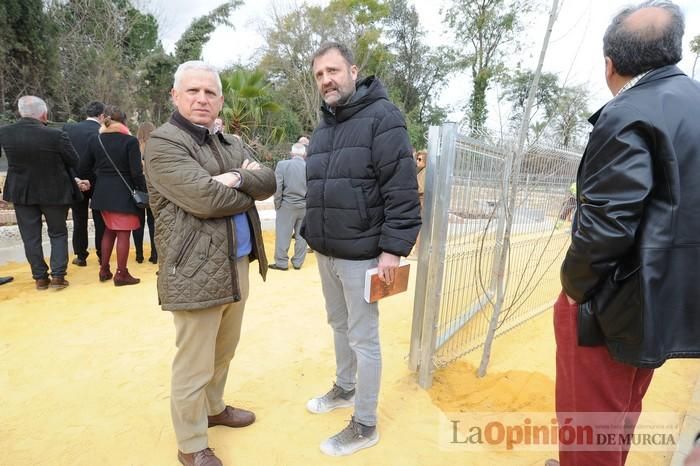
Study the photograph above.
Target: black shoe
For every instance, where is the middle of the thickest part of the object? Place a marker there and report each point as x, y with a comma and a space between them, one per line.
153, 259
139, 259
274, 267
79, 262
4, 280
296, 267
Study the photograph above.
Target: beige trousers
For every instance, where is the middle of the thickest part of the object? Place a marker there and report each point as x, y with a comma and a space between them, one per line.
206, 341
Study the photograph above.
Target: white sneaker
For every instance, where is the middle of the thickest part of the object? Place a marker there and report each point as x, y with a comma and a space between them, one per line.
335, 398
351, 439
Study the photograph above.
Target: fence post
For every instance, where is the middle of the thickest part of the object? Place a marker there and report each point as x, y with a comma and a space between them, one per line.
424, 248
439, 219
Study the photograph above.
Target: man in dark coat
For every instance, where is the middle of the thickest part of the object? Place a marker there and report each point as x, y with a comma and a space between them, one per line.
41, 181
630, 297
80, 135
362, 211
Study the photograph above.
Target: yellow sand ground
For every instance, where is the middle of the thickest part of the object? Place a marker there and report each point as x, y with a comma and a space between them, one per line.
85, 373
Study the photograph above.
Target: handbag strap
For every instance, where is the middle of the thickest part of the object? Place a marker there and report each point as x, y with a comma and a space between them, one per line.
99, 139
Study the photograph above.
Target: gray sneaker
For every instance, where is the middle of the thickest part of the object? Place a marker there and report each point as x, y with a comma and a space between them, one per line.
335, 398
351, 439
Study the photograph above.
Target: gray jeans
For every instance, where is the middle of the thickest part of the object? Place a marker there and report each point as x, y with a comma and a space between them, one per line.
355, 326
288, 221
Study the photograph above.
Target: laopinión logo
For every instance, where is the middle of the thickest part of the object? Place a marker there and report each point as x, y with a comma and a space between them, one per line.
543, 431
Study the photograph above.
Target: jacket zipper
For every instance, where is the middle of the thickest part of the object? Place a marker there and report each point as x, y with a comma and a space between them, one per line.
184, 249
325, 181
230, 234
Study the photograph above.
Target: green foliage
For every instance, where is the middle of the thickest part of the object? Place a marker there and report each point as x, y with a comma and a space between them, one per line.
248, 107
416, 72
293, 37
483, 28
517, 87
192, 41
142, 36
155, 79
559, 112
109, 51
27, 54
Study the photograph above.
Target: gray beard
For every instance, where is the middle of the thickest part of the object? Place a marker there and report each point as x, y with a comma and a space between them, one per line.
343, 101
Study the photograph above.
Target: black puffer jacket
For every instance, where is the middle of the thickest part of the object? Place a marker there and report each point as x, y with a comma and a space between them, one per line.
362, 196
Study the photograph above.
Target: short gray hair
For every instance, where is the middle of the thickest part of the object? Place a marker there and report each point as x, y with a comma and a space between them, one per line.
634, 51
196, 65
298, 149
31, 106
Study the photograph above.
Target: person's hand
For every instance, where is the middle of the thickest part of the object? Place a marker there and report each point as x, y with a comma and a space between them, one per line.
569, 300
230, 179
250, 165
386, 267
84, 185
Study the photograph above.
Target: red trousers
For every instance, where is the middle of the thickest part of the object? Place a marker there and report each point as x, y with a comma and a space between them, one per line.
588, 380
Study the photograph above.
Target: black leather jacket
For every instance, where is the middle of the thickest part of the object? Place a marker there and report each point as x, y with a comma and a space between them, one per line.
636, 235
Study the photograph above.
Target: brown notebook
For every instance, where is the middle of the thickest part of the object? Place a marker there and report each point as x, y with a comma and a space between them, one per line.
375, 289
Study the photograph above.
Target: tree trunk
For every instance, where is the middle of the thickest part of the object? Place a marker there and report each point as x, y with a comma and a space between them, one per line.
511, 172
477, 117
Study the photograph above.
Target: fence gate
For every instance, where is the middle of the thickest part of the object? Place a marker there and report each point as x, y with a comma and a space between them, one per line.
495, 229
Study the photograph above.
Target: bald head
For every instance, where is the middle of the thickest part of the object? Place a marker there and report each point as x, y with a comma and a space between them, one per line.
651, 21
645, 37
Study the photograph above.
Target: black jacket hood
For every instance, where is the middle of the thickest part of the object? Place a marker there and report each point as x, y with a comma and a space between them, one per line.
367, 91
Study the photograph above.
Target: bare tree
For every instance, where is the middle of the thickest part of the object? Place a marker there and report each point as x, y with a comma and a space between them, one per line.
483, 28
510, 187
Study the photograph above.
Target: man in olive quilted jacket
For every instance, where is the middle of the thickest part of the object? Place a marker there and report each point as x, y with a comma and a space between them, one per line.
203, 186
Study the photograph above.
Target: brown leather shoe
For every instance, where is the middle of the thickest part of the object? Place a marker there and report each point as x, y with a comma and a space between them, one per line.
58, 283
42, 283
123, 277
204, 457
232, 417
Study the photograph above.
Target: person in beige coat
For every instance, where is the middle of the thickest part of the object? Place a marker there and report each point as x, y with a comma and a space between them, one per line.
203, 186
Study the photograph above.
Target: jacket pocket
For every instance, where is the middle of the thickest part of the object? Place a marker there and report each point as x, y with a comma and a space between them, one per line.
361, 206
196, 256
183, 252
618, 306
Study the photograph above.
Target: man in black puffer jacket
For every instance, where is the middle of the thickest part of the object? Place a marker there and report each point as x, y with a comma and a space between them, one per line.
362, 211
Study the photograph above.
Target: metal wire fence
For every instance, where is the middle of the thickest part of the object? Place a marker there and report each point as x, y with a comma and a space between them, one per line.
477, 206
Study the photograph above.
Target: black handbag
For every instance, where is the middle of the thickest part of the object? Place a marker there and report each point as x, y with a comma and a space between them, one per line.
140, 198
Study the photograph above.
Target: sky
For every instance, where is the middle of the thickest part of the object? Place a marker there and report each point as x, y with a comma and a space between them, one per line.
574, 53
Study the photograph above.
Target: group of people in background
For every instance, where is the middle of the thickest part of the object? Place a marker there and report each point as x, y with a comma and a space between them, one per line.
90, 165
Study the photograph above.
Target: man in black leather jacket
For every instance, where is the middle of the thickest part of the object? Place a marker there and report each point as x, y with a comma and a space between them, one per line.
630, 298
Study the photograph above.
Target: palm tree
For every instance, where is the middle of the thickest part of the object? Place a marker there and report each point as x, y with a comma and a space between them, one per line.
695, 48
248, 107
